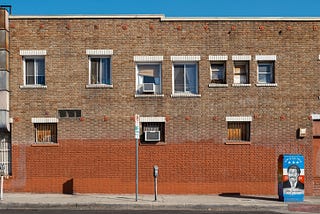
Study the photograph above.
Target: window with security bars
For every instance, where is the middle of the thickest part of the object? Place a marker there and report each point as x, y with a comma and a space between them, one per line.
239, 131
5, 153
46, 132
153, 132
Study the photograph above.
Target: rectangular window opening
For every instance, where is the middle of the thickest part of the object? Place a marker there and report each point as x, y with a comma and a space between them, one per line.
239, 131
46, 132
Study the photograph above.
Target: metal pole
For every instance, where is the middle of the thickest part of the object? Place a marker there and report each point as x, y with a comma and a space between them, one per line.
137, 169
1, 191
155, 188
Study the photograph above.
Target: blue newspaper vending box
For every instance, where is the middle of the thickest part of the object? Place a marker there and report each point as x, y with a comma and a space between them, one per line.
291, 177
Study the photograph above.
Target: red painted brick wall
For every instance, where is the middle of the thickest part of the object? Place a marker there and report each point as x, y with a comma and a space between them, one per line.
109, 167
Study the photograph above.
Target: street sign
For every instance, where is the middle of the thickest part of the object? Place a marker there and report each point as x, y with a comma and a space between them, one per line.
137, 127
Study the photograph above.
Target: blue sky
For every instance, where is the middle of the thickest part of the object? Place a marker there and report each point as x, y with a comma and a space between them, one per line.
169, 8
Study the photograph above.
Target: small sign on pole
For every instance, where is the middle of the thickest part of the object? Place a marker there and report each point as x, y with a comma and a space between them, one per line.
136, 127
137, 137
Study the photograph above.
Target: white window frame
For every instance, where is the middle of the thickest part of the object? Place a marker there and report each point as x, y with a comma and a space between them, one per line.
32, 54
34, 58
101, 71
102, 54
138, 84
185, 92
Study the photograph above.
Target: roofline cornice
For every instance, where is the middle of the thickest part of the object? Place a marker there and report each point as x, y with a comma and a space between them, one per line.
163, 18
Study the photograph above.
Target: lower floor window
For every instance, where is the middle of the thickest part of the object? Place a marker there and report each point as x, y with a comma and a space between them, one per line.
46, 132
153, 132
239, 131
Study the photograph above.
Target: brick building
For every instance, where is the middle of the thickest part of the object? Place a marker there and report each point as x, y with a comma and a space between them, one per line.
219, 100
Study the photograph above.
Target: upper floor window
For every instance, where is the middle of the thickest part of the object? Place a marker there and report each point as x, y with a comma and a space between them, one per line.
100, 74
148, 78
100, 71
185, 78
266, 72
241, 72
34, 68
218, 72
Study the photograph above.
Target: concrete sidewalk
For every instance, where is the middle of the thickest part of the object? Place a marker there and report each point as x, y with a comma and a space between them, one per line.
164, 202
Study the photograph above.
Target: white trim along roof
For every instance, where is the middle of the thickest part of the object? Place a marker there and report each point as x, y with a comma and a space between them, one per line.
163, 18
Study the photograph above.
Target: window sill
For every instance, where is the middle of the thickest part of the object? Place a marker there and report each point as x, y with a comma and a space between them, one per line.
185, 95
152, 144
148, 95
44, 144
231, 142
99, 86
217, 85
33, 86
240, 85
266, 84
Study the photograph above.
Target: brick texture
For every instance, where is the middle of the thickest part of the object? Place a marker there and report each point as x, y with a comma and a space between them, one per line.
98, 155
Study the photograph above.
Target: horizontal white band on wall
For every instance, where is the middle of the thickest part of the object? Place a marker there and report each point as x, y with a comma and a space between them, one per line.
266, 57
33, 52
44, 120
218, 58
315, 116
241, 57
152, 119
148, 58
239, 119
185, 58
99, 52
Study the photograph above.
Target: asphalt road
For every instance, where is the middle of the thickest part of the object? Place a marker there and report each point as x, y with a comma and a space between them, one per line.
53, 211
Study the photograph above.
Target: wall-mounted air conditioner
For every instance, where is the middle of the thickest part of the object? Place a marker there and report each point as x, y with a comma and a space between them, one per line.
152, 135
148, 88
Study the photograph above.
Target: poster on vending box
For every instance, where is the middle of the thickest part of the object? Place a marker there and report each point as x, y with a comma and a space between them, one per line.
293, 177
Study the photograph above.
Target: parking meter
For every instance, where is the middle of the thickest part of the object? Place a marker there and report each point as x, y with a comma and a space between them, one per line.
155, 175
155, 171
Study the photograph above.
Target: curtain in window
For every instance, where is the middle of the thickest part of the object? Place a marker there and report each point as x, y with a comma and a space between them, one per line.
40, 72
105, 68
191, 78
30, 72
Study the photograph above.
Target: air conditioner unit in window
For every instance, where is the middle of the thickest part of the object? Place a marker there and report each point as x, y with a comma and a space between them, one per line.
152, 135
148, 88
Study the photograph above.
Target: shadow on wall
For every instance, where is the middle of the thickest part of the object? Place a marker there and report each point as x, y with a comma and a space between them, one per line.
68, 187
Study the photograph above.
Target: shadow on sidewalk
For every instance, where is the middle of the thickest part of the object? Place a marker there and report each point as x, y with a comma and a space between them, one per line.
238, 195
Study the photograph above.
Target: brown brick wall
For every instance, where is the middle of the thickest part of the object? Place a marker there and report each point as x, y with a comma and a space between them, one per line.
99, 155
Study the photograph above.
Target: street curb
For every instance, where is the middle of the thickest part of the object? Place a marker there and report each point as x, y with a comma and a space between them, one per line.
83, 206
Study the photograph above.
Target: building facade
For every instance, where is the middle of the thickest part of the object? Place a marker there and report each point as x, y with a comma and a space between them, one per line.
219, 101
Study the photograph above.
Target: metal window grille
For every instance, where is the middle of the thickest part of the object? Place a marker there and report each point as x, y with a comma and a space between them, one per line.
155, 126
5, 153
46, 132
239, 131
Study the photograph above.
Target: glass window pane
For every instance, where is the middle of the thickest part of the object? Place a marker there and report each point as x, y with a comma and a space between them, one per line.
178, 78
94, 70
105, 70
191, 78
